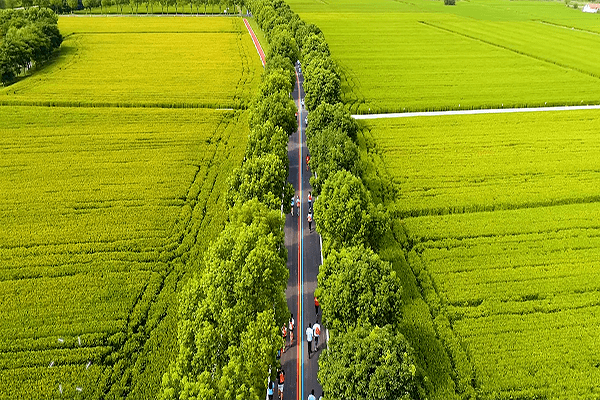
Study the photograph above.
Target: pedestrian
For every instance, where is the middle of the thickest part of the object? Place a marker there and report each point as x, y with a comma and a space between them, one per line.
316, 334
309, 200
298, 203
309, 338
284, 335
307, 160
311, 396
292, 206
280, 382
271, 389
291, 325
322, 394
309, 218
316, 306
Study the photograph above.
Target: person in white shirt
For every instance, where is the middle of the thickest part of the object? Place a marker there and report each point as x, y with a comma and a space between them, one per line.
316, 334
311, 396
309, 338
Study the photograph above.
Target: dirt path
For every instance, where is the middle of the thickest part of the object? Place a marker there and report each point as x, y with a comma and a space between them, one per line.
472, 112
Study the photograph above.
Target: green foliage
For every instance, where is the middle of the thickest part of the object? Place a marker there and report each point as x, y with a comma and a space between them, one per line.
27, 37
331, 151
282, 42
277, 108
322, 83
368, 362
262, 178
356, 285
277, 62
230, 314
267, 138
335, 117
345, 215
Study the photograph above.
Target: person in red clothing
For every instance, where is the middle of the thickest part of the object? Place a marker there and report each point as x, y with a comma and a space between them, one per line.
307, 160
284, 335
280, 381
316, 306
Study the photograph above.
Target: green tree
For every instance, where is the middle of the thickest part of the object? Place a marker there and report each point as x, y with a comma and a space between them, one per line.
277, 62
355, 284
321, 84
331, 150
267, 138
273, 82
106, 3
345, 215
56, 5
333, 116
262, 178
283, 43
277, 108
369, 363
73, 4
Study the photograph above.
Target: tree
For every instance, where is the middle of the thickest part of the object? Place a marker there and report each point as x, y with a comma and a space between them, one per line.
273, 82
355, 284
262, 178
322, 85
267, 138
334, 116
73, 4
277, 108
56, 5
331, 150
106, 3
345, 215
283, 43
277, 62
230, 316
369, 363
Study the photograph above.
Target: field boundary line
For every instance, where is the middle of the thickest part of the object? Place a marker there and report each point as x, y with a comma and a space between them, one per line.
259, 49
475, 112
565, 66
571, 28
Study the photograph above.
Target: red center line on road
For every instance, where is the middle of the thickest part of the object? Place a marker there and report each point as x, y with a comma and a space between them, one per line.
300, 353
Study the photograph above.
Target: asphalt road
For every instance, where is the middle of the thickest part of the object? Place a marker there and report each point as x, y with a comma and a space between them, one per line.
304, 259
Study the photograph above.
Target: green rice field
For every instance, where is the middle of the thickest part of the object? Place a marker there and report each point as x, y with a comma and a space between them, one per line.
500, 213
413, 56
104, 207
150, 61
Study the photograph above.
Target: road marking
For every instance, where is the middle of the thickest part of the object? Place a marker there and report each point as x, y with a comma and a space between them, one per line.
300, 377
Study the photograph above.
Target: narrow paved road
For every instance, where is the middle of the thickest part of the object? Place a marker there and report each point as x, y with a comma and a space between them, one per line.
304, 259
471, 112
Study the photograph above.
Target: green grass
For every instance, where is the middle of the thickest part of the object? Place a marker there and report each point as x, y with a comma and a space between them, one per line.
150, 62
421, 55
101, 211
499, 213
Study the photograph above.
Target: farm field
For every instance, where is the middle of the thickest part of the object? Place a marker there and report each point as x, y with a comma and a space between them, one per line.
500, 213
100, 211
482, 54
150, 61
456, 164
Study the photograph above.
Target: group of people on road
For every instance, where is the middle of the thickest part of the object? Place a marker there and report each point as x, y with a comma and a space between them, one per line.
296, 203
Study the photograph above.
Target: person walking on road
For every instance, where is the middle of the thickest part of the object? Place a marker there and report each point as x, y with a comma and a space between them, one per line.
316, 306
316, 334
309, 218
307, 160
280, 382
298, 203
309, 338
311, 396
271, 389
292, 206
284, 335
309, 199
291, 325
322, 394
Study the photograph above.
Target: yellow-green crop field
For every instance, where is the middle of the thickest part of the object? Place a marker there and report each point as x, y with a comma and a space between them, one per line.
106, 209
149, 61
100, 210
501, 214
400, 56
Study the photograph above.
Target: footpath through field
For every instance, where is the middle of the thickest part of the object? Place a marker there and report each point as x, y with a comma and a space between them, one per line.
259, 49
471, 112
304, 259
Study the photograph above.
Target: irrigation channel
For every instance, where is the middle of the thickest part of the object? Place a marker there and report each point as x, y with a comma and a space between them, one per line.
304, 258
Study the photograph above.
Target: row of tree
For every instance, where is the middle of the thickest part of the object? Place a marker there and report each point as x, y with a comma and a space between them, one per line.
232, 311
62, 6
360, 294
27, 39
